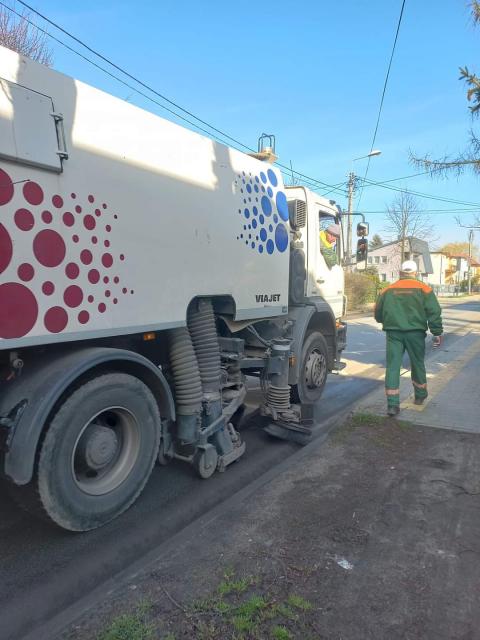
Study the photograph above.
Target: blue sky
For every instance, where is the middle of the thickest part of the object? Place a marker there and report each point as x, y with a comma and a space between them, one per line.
309, 72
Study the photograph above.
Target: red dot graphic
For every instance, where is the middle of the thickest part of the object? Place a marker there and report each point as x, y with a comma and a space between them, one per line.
83, 317
94, 239
73, 296
104, 205
106, 279
57, 202
93, 276
48, 288
26, 272
116, 279
55, 319
124, 290
33, 193
6, 248
116, 217
78, 209
98, 213
102, 307
72, 270
68, 219
49, 248
24, 219
122, 257
18, 310
6, 188
115, 300
73, 196
47, 217
91, 198
107, 293
86, 256
75, 238
90, 298
108, 228
89, 222
107, 260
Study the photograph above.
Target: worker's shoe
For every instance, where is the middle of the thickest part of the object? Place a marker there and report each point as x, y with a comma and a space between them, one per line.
393, 411
420, 400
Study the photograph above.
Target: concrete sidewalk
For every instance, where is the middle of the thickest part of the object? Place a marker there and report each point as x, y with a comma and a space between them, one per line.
453, 387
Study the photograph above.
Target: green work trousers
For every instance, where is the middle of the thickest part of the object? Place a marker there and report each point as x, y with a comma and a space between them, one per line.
413, 342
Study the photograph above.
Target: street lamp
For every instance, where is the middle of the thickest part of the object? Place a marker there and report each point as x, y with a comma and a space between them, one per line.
351, 189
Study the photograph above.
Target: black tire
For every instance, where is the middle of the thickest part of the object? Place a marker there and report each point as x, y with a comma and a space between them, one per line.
112, 420
313, 370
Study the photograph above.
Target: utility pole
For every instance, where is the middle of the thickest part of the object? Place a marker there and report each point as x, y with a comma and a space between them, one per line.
469, 277
351, 189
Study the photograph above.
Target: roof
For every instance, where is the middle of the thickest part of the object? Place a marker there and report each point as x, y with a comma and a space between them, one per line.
416, 246
473, 261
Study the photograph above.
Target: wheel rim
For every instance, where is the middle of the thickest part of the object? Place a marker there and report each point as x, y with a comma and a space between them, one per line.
105, 451
315, 369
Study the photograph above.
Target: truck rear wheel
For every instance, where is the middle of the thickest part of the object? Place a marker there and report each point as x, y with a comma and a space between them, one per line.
313, 370
98, 452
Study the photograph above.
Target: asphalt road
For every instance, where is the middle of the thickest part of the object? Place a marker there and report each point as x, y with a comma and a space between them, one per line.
44, 569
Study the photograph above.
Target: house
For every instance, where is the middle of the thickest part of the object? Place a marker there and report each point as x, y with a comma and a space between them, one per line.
388, 258
451, 269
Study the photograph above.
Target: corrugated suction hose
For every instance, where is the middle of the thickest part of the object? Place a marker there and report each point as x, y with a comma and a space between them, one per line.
186, 374
201, 324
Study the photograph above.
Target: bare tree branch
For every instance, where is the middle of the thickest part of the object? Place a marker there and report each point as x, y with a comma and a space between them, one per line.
404, 220
17, 34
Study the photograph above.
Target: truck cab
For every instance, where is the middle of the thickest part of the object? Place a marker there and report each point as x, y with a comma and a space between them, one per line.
322, 281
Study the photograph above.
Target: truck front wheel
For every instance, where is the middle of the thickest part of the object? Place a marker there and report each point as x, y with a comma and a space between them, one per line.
98, 452
313, 370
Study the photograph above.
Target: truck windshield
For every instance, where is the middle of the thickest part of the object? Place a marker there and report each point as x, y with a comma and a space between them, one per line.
325, 221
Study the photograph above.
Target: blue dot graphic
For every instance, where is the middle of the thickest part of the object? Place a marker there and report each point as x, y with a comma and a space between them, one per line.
244, 227
256, 178
282, 206
270, 227
272, 177
281, 237
263, 177
270, 192
260, 248
249, 188
249, 236
266, 206
255, 211
241, 235
263, 235
246, 241
244, 201
253, 245
270, 246
254, 224
256, 188
261, 218
246, 213
263, 189
241, 190
275, 218
249, 226
239, 211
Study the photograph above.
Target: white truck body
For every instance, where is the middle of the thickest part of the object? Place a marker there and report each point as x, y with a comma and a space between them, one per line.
181, 214
145, 271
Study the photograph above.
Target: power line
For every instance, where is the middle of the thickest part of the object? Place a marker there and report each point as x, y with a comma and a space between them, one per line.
144, 85
383, 95
380, 182
419, 194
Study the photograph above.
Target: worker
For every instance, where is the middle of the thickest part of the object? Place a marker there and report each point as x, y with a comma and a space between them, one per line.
328, 240
407, 308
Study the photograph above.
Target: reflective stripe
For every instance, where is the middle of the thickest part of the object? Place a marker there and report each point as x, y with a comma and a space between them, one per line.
420, 386
392, 392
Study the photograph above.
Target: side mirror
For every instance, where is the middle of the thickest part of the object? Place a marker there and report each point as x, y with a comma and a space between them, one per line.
362, 229
362, 250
